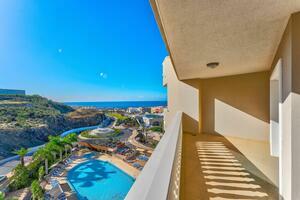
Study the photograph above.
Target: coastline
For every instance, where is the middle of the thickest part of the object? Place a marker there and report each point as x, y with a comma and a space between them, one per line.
117, 104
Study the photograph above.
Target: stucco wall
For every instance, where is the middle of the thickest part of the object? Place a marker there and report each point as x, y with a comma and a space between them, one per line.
289, 161
182, 96
236, 105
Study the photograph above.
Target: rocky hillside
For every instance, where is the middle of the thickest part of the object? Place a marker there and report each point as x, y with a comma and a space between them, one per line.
27, 121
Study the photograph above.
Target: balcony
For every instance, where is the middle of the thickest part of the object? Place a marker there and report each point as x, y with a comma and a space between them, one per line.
205, 166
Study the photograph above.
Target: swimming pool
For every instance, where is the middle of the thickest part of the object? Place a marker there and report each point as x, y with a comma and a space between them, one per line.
99, 180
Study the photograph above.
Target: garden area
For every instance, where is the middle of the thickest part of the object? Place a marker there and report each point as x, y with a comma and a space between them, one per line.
123, 120
156, 129
32, 174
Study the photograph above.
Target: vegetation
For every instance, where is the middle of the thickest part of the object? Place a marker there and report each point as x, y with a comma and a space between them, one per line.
36, 190
128, 122
117, 132
29, 120
24, 176
121, 119
23, 111
22, 153
153, 143
43, 154
146, 140
71, 138
156, 129
116, 115
20, 179
41, 173
33, 168
2, 196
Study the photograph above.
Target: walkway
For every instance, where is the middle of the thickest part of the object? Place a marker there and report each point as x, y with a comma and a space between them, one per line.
214, 169
133, 141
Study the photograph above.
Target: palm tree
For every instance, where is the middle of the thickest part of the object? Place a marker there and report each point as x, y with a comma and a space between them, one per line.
43, 154
68, 147
145, 133
57, 143
22, 153
68, 141
53, 148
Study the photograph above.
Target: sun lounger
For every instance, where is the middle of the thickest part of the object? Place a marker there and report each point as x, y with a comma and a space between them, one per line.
54, 183
62, 196
47, 196
2, 178
56, 193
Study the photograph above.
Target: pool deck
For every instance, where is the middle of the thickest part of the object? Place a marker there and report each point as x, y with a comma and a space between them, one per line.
120, 164
62, 179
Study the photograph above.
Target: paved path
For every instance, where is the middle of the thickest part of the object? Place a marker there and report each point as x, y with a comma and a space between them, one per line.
7, 167
133, 141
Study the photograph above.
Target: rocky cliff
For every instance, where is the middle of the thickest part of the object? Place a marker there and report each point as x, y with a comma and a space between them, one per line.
25, 122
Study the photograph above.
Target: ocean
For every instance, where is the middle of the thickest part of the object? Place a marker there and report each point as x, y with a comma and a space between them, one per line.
117, 104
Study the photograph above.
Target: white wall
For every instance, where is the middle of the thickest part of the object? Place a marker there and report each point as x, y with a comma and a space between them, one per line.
181, 97
276, 109
285, 153
295, 144
230, 121
290, 148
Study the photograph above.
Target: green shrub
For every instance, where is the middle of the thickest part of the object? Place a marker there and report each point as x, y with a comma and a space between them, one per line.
33, 168
116, 115
41, 173
33, 107
36, 190
117, 132
156, 129
2, 196
70, 138
20, 179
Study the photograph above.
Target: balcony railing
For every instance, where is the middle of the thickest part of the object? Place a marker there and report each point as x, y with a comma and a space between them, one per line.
160, 178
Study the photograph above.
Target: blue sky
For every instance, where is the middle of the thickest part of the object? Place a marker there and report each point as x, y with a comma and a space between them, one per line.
78, 50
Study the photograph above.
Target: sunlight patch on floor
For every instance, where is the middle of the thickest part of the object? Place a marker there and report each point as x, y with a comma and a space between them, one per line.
225, 174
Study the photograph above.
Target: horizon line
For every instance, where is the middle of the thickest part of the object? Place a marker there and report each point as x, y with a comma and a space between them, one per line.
111, 101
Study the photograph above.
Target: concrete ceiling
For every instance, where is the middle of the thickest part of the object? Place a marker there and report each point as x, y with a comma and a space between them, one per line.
242, 35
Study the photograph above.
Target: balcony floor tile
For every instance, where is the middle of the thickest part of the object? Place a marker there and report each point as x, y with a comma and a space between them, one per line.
212, 168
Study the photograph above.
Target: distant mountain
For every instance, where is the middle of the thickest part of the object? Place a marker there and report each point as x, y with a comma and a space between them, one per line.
28, 120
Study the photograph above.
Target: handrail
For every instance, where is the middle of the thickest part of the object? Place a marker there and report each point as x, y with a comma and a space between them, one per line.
154, 181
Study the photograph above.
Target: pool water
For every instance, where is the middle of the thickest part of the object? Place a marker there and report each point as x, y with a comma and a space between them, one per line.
99, 180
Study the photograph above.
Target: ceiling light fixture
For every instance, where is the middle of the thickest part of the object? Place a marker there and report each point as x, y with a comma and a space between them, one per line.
212, 65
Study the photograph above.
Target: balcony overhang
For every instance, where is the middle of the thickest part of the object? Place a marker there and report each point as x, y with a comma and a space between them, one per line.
241, 35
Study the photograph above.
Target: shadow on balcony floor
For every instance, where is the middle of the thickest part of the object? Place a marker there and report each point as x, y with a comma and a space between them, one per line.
212, 168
